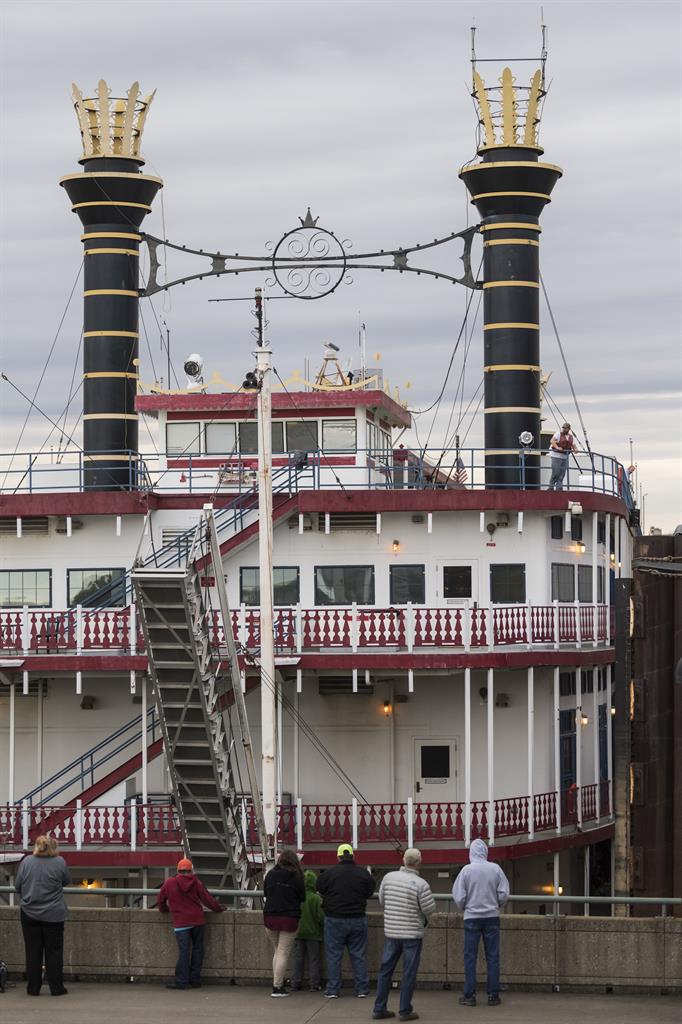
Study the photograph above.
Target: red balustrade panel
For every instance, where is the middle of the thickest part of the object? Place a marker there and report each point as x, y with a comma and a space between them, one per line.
479, 819
158, 825
567, 624
381, 823
479, 627
589, 802
602, 612
586, 622
542, 624
285, 629
10, 825
442, 821
10, 631
511, 816
326, 823
286, 824
545, 811
52, 821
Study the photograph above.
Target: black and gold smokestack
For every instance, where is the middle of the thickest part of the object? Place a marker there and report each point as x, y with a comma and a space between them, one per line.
111, 197
510, 188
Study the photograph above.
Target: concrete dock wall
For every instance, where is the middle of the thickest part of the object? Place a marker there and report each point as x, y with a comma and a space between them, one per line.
580, 952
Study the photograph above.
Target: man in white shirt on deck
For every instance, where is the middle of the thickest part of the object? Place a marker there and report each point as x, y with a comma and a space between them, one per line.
560, 448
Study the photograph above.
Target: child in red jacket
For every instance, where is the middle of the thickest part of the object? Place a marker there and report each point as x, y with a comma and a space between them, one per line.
184, 895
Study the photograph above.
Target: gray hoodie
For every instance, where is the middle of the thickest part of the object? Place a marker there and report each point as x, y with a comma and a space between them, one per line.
480, 888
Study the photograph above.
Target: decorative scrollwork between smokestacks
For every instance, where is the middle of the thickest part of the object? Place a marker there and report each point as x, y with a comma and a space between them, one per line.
110, 125
509, 113
310, 262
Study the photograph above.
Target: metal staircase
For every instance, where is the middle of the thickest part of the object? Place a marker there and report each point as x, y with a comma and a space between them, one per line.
188, 692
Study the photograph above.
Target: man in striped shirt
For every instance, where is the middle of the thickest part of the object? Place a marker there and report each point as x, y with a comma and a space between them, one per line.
408, 904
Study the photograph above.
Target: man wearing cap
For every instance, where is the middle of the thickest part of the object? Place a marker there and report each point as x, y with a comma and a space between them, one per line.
345, 889
184, 896
408, 904
560, 448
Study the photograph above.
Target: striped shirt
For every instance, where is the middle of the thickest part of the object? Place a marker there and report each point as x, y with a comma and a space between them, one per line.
408, 903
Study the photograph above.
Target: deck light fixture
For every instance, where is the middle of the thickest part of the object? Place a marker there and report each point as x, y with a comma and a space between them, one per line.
613, 711
580, 546
388, 710
396, 546
584, 718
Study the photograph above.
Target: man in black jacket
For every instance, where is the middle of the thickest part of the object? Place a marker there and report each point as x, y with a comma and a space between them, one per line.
345, 890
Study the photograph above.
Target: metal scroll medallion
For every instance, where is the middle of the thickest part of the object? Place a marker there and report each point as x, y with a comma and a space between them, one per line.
309, 262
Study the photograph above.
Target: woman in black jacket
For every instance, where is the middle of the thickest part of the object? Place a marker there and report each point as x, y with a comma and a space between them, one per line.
284, 890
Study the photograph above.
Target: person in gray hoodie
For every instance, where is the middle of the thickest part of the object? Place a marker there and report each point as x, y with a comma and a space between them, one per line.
479, 891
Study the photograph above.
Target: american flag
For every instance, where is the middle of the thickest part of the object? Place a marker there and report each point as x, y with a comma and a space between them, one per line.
461, 475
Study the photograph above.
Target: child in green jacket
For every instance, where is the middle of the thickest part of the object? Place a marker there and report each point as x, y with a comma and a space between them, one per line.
309, 936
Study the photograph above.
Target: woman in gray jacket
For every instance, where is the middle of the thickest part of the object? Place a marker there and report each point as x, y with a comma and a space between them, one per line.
40, 882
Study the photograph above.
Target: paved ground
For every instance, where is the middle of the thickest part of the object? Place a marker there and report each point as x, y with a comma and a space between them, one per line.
152, 1004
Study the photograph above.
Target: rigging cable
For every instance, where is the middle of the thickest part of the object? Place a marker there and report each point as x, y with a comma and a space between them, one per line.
71, 396
568, 372
419, 412
44, 371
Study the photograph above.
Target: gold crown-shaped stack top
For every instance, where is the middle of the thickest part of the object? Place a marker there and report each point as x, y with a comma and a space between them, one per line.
111, 126
509, 114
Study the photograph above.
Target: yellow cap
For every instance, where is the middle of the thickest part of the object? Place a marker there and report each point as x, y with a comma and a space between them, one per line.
343, 849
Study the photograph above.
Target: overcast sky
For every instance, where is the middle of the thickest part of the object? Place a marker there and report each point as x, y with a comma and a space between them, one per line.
362, 111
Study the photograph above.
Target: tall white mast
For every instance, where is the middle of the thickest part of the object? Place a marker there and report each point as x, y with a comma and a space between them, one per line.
263, 356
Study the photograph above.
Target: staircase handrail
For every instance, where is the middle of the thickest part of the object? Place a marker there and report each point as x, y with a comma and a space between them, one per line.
88, 755
284, 478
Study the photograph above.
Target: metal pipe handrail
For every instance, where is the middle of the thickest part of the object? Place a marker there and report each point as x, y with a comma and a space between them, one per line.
662, 901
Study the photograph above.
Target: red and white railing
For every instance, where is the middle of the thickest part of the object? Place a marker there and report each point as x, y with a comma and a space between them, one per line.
402, 627
134, 826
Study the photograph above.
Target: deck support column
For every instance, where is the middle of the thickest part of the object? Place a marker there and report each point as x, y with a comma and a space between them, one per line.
557, 751
531, 740
491, 759
467, 757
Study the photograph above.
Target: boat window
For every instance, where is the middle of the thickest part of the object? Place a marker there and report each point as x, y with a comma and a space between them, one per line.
339, 435
576, 528
344, 584
183, 438
567, 684
285, 580
221, 438
585, 583
601, 530
556, 525
96, 588
248, 437
601, 589
32, 587
457, 581
407, 584
302, 436
508, 584
563, 582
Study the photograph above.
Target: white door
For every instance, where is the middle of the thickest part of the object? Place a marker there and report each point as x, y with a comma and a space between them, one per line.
435, 770
457, 581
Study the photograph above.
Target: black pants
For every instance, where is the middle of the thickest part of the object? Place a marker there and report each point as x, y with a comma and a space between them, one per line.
43, 939
312, 947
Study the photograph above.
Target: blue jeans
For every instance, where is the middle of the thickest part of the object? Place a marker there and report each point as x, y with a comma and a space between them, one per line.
411, 950
341, 933
489, 928
559, 467
190, 955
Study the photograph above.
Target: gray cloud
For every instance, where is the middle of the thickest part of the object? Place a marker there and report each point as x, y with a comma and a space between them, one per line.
360, 110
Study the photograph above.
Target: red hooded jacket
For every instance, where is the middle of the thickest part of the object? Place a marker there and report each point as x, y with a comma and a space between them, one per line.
184, 895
